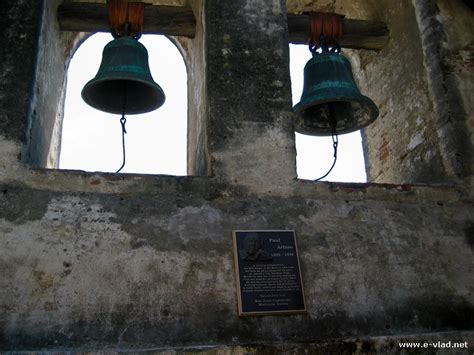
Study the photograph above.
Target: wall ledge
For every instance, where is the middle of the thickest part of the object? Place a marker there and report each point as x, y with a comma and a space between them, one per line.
213, 187
374, 344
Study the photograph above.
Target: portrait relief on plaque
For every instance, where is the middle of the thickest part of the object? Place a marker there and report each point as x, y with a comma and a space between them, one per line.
254, 248
267, 270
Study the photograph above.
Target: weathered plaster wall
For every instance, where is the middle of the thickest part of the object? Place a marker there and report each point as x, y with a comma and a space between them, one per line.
401, 146
30, 95
198, 159
21, 23
46, 112
459, 24
104, 261
155, 269
446, 34
422, 133
251, 141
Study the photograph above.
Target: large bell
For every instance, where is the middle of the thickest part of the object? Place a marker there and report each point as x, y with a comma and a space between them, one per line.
123, 84
331, 98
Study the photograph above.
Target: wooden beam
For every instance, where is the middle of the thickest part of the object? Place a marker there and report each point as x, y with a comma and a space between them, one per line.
180, 21
93, 17
357, 34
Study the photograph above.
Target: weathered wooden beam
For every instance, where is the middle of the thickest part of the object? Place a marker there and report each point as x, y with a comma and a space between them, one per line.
180, 21
357, 34
93, 17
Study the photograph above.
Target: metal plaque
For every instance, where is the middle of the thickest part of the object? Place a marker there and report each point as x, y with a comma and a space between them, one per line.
267, 273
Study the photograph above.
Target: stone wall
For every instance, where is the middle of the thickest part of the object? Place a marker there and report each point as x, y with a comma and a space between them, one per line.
401, 146
154, 268
421, 84
248, 82
21, 21
198, 159
128, 262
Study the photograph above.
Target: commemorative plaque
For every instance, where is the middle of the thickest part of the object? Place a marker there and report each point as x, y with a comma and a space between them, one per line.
267, 273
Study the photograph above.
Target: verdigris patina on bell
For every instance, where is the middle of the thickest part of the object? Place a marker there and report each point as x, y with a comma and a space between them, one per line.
331, 97
124, 83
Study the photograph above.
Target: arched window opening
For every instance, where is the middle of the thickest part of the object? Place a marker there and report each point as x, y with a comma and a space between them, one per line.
315, 154
155, 142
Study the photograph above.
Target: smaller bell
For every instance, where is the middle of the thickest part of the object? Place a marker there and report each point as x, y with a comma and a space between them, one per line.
331, 102
123, 84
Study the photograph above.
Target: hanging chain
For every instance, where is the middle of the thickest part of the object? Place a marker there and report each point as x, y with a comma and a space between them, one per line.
323, 44
335, 139
326, 30
125, 20
123, 121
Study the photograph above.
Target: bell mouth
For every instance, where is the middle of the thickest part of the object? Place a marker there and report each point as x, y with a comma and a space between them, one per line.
118, 96
351, 115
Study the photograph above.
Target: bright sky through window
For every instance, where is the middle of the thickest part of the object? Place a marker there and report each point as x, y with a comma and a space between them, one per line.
156, 142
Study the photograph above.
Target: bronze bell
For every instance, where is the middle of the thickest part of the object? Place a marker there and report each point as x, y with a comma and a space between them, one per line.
331, 103
123, 84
